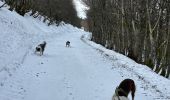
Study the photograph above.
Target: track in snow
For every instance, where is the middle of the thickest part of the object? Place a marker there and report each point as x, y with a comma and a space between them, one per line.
76, 73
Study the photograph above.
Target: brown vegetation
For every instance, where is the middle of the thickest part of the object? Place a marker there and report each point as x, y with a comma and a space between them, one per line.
53, 10
139, 29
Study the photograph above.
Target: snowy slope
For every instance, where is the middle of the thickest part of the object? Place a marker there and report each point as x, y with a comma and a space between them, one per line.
18, 35
81, 8
85, 71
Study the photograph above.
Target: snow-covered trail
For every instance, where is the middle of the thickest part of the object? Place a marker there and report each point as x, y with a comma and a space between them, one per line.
86, 71
68, 73
76, 73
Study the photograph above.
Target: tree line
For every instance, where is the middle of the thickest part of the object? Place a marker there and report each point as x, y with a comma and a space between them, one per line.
139, 29
54, 11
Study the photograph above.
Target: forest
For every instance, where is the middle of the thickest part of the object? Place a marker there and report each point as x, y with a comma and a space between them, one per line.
54, 11
139, 29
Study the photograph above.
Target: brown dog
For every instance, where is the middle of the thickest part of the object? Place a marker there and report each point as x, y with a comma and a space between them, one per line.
122, 91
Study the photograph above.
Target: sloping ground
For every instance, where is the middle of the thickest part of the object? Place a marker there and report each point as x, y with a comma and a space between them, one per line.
80, 72
143, 73
17, 36
85, 71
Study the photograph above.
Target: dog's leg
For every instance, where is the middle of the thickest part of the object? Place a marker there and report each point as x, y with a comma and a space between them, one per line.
40, 51
35, 50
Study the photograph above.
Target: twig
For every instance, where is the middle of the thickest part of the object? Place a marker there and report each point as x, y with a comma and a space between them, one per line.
3, 5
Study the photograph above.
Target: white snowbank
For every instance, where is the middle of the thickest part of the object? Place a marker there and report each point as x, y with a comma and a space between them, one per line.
143, 72
18, 36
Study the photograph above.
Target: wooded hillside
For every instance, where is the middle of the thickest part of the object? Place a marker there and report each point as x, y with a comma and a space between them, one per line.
139, 29
53, 10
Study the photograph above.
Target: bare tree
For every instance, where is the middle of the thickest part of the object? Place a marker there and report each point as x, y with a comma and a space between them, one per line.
138, 29
53, 10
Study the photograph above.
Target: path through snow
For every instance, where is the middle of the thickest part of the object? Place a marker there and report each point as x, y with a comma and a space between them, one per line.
76, 73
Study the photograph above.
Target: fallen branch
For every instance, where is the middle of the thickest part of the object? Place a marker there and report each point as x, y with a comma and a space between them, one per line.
3, 5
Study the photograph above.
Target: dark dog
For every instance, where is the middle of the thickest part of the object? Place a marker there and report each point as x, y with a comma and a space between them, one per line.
68, 44
40, 48
122, 91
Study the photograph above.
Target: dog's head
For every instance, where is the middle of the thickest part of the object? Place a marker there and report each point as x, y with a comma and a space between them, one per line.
38, 48
127, 86
44, 42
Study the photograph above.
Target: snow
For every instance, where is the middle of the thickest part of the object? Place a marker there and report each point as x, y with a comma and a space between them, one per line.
84, 71
81, 8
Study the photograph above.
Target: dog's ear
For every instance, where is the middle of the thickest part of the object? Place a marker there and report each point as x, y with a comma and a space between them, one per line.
44, 42
133, 89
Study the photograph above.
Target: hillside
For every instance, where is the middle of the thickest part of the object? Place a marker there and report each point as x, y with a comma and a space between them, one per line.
85, 71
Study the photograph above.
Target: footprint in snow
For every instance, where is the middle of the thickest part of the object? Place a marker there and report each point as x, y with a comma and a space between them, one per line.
37, 74
2, 84
70, 93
